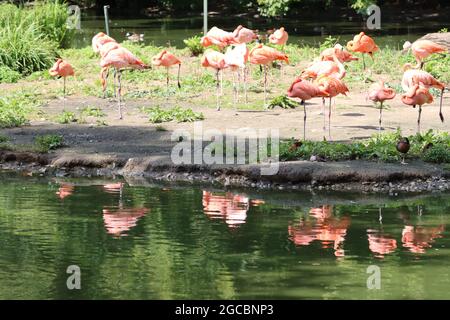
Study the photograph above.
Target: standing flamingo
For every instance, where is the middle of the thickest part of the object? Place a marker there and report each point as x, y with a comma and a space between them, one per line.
264, 55
63, 69
102, 43
304, 90
215, 60
364, 44
103, 50
379, 93
412, 77
217, 37
331, 87
167, 59
279, 37
236, 58
422, 49
417, 95
99, 40
120, 59
243, 35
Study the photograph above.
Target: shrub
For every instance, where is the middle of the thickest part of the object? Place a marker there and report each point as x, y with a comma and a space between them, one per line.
9, 76
194, 45
14, 109
48, 142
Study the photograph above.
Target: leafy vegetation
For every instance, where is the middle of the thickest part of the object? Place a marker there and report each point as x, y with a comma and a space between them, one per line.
66, 117
282, 102
430, 147
15, 109
194, 46
48, 142
7, 75
158, 115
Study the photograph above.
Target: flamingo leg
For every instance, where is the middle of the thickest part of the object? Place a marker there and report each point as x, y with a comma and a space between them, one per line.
329, 120
167, 83
115, 76
64, 88
265, 86
440, 106
221, 83
418, 119
324, 119
379, 119
178, 78
304, 119
245, 85
234, 91
364, 62
119, 93
217, 90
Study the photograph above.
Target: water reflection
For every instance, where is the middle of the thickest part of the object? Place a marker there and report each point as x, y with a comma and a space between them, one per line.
65, 190
381, 243
418, 238
230, 207
326, 228
119, 221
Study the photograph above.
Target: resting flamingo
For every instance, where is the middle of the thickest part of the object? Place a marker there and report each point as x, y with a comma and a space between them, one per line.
263, 55
99, 40
417, 95
216, 60
304, 90
167, 59
120, 58
217, 37
236, 58
422, 49
364, 44
279, 37
63, 69
379, 93
243, 35
331, 87
337, 51
414, 76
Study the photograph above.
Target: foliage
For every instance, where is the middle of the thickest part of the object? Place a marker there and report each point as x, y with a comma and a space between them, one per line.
3, 139
430, 147
7, 75
282, 102
48, 142
15, 108
93, 112
66, 117
194, 46
158, 115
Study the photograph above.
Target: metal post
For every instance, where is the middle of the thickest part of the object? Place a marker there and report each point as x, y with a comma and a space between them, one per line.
205, 17
105, 10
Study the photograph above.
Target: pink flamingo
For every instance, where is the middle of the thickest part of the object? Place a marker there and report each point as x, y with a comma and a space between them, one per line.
422, 49
279, 37
417, 95
120, 58
243, 35
379, 93
236, 59
341, 54
167, 59
99, 40
215, 60
218, 37
364, 44
304, 90
412, 77
63, 69
331, 87
263, 55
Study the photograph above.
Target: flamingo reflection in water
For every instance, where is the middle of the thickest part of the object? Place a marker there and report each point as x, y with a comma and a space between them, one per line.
381, 243
230, 207
418, 238
326, 228
119, 220
65, 190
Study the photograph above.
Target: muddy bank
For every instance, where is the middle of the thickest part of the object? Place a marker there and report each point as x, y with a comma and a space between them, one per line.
361, 176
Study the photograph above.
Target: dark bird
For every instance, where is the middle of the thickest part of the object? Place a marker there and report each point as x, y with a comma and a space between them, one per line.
403, 147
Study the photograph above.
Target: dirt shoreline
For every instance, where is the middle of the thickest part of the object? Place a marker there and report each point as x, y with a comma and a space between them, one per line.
356, 176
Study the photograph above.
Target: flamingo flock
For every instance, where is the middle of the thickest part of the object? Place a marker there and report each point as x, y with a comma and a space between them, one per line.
323, 78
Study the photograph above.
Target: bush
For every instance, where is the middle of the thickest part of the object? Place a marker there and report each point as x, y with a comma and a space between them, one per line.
48, 142
66, 117
9, 76
437, 154
158, 115
14, 110
194, 45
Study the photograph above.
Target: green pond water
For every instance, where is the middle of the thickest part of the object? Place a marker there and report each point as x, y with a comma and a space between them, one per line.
142, 241
172, 31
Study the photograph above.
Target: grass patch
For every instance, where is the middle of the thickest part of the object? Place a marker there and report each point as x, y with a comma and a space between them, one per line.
430, 147
194, 46
159, 115
66, 117
7, 75
48, 142
283, 102
16, 108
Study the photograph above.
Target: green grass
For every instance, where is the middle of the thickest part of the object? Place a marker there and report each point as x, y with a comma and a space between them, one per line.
7, 75
194, 46
16, 108
66, 117
48, 142
159, 115
430, 147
